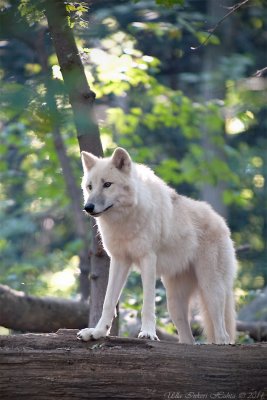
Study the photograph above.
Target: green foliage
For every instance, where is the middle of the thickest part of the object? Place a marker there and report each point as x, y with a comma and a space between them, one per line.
33, 213
34, 208
76, 11
31, 11
170, 3
167, 3
78, 7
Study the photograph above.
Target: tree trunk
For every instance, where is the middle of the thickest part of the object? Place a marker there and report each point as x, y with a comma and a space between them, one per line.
72, 189
81, 99
99, 279
80, 95
212, 89
58, 366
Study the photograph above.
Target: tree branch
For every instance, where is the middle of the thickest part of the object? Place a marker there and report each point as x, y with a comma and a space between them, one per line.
212, 30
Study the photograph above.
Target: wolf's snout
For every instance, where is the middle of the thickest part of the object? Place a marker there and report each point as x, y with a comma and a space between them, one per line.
89, 208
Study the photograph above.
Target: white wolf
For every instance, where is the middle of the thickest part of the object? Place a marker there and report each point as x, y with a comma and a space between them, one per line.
143, 222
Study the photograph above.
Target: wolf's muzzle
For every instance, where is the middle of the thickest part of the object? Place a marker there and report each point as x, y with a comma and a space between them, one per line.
89, 208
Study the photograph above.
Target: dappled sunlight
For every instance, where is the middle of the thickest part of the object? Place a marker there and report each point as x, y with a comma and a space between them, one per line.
36, 143
257, 161
258, 181
247, 194
62, 280
234, 126
63, 283
57, 72
4, 331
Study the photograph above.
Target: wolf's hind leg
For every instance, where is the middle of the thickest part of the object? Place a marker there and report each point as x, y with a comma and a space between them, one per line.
230, 317
215, 303
179, 290
213, 298
214, 279
207, 321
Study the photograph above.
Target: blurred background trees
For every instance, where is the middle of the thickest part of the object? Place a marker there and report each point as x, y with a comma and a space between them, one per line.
194, 112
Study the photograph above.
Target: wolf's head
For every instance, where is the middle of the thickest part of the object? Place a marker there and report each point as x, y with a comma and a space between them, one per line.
107, 183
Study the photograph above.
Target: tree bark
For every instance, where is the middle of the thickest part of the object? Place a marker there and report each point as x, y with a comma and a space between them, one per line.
81, 99
58, 366
72, 189
99, 279
80, 95
211, 90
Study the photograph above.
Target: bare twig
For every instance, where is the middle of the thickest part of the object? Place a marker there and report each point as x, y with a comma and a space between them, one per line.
243, 248
212, 30
261, 73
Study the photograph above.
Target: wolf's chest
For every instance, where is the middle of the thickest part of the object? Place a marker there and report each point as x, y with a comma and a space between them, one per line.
127, 244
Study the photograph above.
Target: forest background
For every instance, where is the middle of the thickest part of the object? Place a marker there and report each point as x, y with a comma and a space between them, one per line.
187, 101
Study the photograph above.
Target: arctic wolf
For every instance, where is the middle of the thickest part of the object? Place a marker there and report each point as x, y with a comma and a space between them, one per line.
143, 222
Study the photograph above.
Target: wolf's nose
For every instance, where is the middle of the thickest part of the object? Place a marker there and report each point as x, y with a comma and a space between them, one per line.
89, 208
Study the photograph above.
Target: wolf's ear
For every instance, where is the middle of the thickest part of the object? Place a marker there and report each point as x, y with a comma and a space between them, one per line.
121, 159
88, 160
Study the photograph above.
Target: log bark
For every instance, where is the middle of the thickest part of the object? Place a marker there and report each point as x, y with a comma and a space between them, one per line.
256, 309
25, 313
57, 366
257, 330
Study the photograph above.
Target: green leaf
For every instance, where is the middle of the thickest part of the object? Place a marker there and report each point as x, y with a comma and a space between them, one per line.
205, 37
170, 3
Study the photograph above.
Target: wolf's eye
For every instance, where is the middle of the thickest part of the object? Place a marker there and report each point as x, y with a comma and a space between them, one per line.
107, 184
90, 187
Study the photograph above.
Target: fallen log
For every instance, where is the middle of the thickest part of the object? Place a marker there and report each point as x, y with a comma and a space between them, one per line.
57, 366
25, 313
257, 330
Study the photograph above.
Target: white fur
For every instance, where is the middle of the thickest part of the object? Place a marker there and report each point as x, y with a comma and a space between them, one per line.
164, 234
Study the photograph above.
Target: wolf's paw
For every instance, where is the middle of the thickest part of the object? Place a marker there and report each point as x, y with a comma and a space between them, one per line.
90, 334
148, 335
223, 339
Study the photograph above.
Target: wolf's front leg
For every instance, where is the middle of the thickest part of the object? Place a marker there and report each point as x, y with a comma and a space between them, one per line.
148, 274
118, 273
